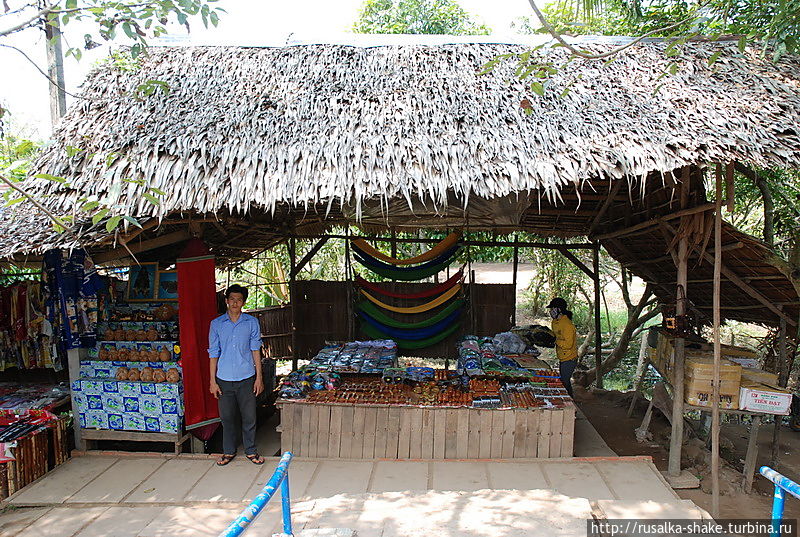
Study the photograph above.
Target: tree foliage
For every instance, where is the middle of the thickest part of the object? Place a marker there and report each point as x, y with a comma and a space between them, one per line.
416, 17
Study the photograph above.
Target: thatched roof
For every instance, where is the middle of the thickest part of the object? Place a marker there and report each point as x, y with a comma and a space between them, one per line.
247, 128
255, 142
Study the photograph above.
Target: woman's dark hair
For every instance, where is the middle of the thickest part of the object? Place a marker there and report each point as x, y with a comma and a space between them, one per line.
236, 288
568, 313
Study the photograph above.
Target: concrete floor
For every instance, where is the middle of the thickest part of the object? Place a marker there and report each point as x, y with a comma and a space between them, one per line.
136, 496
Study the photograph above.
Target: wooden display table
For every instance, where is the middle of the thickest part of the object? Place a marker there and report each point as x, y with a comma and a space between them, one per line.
362, 431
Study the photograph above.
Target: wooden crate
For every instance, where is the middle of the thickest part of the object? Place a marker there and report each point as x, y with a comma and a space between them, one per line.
340, 431
35, 454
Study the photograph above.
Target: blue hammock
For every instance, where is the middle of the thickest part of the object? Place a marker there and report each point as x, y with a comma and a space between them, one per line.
372, 263
419, 333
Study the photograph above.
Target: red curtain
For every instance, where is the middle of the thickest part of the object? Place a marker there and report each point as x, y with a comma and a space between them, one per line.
197, 306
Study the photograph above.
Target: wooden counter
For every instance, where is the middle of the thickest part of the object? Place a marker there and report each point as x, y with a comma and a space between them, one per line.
345, 431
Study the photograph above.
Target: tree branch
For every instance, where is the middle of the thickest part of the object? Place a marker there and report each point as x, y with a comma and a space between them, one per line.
53, 82
581, 54
41, 207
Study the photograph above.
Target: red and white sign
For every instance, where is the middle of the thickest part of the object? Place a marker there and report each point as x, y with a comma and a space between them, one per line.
763, 398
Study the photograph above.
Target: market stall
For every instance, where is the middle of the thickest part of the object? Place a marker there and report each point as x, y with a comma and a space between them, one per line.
357, 400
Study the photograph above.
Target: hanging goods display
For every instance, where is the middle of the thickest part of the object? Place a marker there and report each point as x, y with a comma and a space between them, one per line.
414, 273
412, 334
438, 301
378, 315
446, 244
438, 289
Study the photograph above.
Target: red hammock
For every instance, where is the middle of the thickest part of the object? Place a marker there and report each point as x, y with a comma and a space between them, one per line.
442, 287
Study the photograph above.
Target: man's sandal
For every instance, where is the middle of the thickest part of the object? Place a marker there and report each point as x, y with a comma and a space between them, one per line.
255, 458
225, 459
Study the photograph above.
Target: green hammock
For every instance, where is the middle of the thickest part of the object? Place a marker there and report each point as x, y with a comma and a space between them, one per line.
378, 315
408, 275
408, 344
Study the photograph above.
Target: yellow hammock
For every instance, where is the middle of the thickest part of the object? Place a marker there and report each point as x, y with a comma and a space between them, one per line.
447, 243
441, 299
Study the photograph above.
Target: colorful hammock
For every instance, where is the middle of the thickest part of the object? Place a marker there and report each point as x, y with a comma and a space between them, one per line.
372, 262
415, 334
439, 300
446, 243
406, 344
406, 274
441, 288
370, 309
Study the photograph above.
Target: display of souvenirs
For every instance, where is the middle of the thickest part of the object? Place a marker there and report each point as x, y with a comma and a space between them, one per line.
18, 397
133, 379
478, 357
26, 336
357, 357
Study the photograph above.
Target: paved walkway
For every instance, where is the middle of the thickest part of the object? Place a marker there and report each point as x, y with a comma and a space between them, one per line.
139, 496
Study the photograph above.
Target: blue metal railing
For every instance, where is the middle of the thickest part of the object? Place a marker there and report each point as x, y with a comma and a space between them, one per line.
280, 478
782, 485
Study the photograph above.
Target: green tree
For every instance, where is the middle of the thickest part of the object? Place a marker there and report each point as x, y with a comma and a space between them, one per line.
416, 17
128, 23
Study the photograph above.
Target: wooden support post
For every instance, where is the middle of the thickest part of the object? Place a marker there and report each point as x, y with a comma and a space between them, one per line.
717, 349
348, 274
751, 456
514, 282
783, 374
598, 336
676, 438
74, 368
293, 297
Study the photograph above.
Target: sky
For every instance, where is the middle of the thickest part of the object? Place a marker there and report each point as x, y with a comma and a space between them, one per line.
24, 91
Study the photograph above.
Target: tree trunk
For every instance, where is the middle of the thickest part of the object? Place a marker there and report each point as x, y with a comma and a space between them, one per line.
766, 195
635, 320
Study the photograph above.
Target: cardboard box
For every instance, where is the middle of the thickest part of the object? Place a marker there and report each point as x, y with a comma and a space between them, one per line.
757, 397
759, 376
698, 387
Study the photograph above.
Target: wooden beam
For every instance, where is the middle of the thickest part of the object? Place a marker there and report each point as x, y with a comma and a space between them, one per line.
733, 277
725, 248
606, 204
717, 347
149, 244
654, 221
783, 377
577, 262
309, 256
510, 244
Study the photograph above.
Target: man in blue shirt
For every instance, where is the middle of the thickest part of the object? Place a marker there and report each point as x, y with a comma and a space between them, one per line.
234, 346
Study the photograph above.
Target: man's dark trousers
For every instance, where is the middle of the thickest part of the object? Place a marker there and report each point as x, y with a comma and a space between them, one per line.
237, 408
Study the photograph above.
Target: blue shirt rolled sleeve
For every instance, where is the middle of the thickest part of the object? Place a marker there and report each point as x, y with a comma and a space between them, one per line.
234, 343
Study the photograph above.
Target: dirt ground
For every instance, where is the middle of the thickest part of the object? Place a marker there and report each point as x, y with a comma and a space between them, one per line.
607, 413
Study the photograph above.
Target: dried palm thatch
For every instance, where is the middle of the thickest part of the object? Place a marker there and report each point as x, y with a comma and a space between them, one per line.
257, 130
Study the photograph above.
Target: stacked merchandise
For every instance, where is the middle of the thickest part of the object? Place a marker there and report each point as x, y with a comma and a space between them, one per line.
484, 379
323, 372
20, 397
443, 303
132, 380
356, 357
742, 385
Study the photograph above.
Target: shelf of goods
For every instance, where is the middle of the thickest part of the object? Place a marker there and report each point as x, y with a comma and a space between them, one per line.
353, 402
743, 386
130, 387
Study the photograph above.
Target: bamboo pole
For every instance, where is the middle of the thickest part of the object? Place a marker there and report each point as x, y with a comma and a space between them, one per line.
782, 378
676, 438
598, 337
293, 297
514, 282
717, 349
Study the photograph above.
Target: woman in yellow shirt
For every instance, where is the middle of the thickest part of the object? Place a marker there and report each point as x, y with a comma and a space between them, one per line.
566, 340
